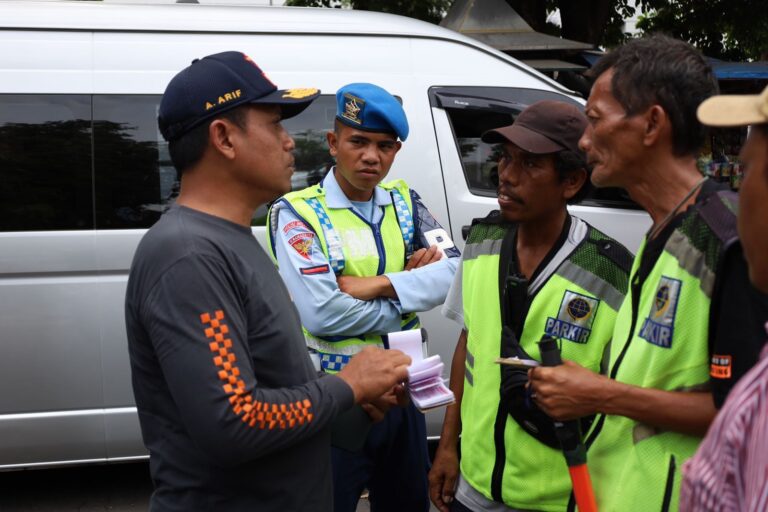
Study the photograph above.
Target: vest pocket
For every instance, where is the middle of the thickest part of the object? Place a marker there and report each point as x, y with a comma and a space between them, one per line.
670, 484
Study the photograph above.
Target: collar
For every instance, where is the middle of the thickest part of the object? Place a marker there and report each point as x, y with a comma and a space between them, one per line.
336, 198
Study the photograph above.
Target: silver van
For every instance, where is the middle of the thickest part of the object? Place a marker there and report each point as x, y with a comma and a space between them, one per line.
84, 172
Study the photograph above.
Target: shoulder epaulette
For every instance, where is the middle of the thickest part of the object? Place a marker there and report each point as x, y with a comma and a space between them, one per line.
494, 217
604, 257
306, 193
398, 183
491, 227
720, 212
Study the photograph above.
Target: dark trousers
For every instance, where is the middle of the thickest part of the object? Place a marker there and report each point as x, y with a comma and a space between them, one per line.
393, 465
457, 506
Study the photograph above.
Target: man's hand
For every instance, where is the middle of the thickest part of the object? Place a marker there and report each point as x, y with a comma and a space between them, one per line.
424, 257
568, 391
366, 288
375, 371
443, 477
395, 397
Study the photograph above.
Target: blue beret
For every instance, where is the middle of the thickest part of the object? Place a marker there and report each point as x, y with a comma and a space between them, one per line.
369, 107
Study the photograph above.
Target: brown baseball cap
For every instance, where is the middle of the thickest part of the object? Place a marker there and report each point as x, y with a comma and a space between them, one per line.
545, 127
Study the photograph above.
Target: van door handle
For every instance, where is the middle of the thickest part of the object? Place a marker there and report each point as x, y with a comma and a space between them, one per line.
465, 232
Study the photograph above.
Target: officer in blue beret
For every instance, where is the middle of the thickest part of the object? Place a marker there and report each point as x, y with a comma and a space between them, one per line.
360, 257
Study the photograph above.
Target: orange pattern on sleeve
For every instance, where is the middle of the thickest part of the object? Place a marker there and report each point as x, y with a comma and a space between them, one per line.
252, 412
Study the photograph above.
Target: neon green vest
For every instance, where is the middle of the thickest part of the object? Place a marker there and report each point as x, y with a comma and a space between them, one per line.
345, 240
662, 345
579, 300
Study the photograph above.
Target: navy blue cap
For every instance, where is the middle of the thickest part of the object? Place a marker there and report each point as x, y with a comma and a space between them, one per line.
221, 82
369, 107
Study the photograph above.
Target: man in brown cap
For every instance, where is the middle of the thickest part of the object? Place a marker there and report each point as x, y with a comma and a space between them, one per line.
528, 270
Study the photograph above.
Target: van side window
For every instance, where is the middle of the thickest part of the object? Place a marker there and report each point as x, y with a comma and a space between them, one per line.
135, 180
474, 110
45, 162
74, 162
478, 158
312, 159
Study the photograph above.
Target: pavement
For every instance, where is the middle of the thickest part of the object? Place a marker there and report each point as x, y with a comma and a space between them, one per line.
97, 488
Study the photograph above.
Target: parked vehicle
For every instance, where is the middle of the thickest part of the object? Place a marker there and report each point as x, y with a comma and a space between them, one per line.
84, 172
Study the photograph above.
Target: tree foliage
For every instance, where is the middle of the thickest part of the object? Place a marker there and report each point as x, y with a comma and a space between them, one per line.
599, 22
726, 29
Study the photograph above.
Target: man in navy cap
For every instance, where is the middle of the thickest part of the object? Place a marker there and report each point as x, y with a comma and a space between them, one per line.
360, 258
231, 409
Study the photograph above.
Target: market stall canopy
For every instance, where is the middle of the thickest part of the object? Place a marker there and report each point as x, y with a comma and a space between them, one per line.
496, 24
739, 70
723, 70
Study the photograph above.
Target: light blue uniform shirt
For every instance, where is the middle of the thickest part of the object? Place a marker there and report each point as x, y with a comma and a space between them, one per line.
327, 311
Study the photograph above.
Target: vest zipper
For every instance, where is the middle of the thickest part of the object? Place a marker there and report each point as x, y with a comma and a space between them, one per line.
669, 485
636, 287
380, 248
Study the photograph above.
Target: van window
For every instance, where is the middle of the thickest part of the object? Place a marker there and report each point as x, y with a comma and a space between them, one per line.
74, 162
134, 178
474, 110
45, 162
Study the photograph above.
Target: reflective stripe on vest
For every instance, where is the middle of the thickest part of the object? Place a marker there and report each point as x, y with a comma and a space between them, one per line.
534, 476
335, 254
405, 219
636, 466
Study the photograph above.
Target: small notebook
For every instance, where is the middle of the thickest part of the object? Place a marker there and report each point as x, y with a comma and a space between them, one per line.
426, 385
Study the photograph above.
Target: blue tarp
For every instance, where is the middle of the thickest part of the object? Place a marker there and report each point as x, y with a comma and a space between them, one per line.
724, 70
739, 70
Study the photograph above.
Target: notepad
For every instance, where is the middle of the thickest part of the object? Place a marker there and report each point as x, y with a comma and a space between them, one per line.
426, 385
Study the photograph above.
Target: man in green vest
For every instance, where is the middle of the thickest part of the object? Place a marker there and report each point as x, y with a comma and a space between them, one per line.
688, 328
360, 258
528, 270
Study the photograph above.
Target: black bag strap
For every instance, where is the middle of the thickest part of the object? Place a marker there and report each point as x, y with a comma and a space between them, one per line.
513, 287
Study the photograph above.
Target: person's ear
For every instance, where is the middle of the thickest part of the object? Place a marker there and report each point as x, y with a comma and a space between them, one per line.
573, 182
398, 145
220, 136
656, 122
333, 143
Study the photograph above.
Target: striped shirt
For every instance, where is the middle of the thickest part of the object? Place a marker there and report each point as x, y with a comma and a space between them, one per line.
730, 469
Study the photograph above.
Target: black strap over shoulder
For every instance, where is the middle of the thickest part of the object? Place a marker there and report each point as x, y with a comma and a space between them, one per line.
513, 286
719, 212
514, 302
514, 306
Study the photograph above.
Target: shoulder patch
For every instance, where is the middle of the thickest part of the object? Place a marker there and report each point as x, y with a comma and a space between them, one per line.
295, 224
302, 244
720, 367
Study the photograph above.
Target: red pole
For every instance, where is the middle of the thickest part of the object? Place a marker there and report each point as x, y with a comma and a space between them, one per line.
582, 488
